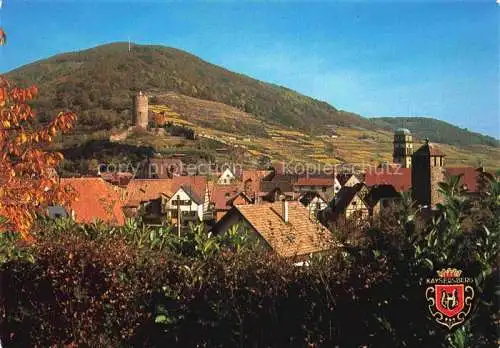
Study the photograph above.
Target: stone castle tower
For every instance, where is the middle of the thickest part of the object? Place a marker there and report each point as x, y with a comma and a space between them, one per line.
426, 172
403, 147
141, 113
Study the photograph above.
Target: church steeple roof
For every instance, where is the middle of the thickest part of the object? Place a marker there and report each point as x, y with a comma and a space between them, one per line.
429, 149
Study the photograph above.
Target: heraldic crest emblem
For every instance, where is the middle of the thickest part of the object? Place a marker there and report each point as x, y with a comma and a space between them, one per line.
449, 297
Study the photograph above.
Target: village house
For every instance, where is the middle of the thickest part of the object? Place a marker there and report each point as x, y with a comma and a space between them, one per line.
276, 186
292, 186
360, 204
314, 202
96, 200
227, 177
224, 197
156, 199
348, 204
317, 183
284, 227
187, 203
146, 198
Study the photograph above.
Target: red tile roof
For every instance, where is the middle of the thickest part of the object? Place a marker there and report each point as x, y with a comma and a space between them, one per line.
143, 190
222, 195
197, 183
400, 178
470, 176
300, 236
96, 199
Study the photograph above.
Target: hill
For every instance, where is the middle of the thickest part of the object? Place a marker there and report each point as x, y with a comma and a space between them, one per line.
437, 131
229, 135
97, 84
230, 110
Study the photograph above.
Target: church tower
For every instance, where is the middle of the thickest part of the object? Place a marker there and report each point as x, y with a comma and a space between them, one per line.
403, 147
427, 172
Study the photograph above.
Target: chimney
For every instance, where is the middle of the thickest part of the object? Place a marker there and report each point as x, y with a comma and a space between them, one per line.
284, 210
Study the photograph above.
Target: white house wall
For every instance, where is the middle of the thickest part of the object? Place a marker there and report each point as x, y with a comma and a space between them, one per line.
183, 196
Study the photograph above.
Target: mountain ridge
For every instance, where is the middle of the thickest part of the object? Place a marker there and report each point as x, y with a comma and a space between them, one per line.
121, 73
98, 84
436, 130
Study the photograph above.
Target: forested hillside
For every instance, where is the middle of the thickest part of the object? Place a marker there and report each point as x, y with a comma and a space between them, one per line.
437, 131
97, 83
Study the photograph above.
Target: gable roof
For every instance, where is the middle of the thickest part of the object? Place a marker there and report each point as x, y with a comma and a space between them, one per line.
96, 200
190, 192
399, 178
308, 197
300, 236
143, 190
223, 195
343, 177
345, 196
197, 183
342, 200
284, 182
226, 171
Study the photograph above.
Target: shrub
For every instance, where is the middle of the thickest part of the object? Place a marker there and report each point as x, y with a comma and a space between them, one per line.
135, 286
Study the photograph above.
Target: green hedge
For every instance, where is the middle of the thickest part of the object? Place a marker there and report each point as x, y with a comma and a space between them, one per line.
135, 286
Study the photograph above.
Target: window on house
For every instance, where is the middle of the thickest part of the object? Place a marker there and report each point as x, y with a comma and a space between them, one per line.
181, 202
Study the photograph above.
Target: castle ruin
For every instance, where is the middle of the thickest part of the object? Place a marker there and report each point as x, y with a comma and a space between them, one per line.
141, 110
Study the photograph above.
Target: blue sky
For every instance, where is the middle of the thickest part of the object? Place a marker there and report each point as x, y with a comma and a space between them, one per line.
398, 58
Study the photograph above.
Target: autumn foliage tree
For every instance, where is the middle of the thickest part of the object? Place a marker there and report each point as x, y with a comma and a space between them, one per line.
28, 181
